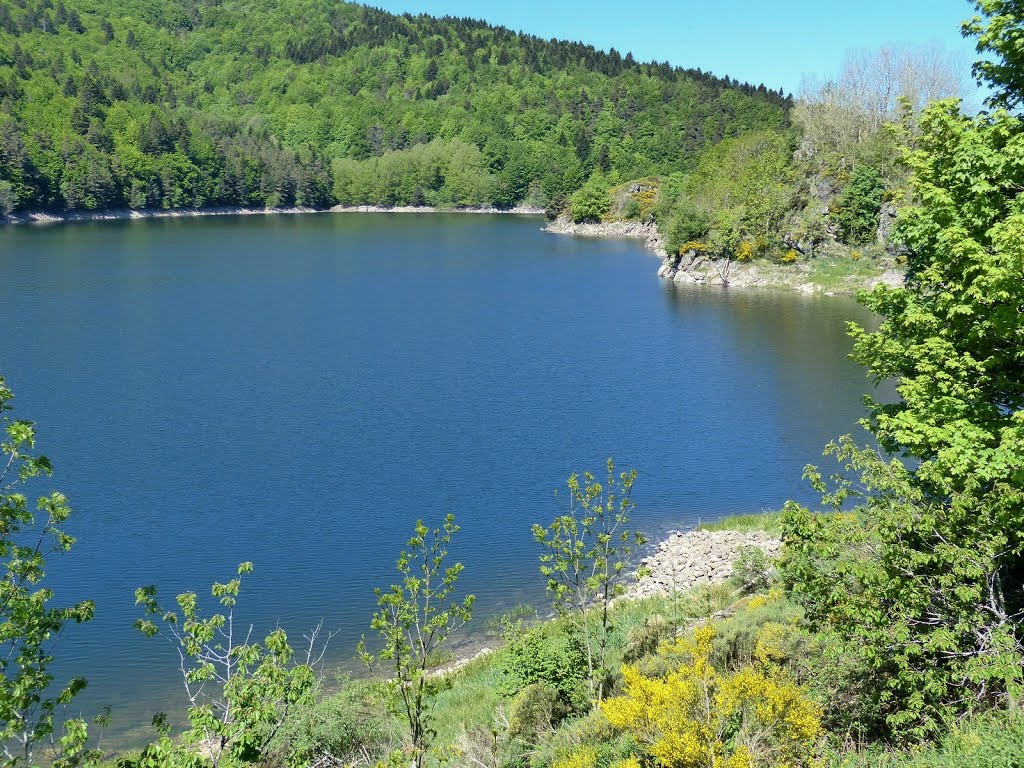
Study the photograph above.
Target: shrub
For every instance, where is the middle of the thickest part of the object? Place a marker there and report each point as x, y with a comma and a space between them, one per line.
592, 735
337, 726
697, 717
591, 202
745, 251
739, 637
858, 206
547, 656
535, 707
645, 639
790, 257
689, 222
693, 245
632, 209
753, 569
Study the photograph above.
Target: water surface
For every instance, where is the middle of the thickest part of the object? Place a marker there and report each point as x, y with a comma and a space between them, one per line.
298, 390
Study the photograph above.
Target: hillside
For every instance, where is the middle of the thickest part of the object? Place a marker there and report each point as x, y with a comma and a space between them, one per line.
148, 104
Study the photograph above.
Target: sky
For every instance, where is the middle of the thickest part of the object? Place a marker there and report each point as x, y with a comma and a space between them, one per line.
753, 40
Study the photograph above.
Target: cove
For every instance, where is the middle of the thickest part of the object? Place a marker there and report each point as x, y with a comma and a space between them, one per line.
297, 391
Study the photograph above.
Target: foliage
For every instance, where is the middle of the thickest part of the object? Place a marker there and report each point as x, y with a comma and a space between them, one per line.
29, 626
253, 102
586, 552
995, 740
997, 27
415, 619
240, 692
753, 569
338, 726
591, 202
549, 656
927, 598
645, 639
741, 188
696, 717
858, 206
688, 226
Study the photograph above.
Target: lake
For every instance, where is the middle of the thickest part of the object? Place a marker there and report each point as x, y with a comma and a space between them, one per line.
298, 390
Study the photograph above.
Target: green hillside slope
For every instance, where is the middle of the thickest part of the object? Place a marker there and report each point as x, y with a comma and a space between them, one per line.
149, 104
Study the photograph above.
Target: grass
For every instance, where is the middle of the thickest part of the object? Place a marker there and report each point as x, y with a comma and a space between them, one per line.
842, 272
769, 522
994, 740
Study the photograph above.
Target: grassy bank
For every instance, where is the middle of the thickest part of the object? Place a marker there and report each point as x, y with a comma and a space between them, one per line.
527, 705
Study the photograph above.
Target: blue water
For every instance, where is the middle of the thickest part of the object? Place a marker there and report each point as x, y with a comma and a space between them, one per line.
297, 391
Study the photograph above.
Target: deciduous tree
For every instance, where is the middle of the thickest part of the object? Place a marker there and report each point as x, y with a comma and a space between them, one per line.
30, 626
585, 555
415, 619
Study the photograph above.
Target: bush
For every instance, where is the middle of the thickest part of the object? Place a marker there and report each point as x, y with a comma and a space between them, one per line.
590, 203
688, 223
753, 569
631, 211
695, 716
591, 740
645, 639
858, 206
548, 656
337, 726
741, 639
536, 707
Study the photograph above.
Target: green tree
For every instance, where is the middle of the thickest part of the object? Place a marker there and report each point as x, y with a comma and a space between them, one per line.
240, 692
998, 28
591, 202
930, 593
858, 206
29, 625
586, 553
415, 619
8, 198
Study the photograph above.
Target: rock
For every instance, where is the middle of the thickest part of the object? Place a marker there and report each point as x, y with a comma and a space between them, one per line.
684, 560
886, 222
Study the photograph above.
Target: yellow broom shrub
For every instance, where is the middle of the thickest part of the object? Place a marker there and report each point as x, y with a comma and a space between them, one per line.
697, 718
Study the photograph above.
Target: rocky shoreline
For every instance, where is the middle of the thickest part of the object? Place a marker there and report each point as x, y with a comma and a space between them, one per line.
701, 270
687, 560
698, 269
50, 217
631, 230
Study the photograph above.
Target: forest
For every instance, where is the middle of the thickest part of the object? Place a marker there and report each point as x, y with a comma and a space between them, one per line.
188, 104
890, 630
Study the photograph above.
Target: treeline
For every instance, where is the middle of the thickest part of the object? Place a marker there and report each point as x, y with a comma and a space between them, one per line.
179, 104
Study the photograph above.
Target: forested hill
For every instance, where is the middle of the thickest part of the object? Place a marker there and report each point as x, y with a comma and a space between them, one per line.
186, 103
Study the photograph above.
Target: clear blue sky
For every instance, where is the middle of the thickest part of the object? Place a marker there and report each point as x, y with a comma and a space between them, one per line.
753, 40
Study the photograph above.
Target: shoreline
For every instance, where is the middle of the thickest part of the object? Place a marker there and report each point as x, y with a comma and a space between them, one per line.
701, 272
22, 218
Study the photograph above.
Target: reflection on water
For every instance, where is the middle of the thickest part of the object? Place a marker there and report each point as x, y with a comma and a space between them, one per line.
297, 391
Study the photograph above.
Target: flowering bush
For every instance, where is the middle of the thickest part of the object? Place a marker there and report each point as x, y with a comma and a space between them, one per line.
696, 716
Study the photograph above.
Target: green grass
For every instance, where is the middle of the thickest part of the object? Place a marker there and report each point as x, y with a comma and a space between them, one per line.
995, 740
770, 522
469, 703
843, 272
